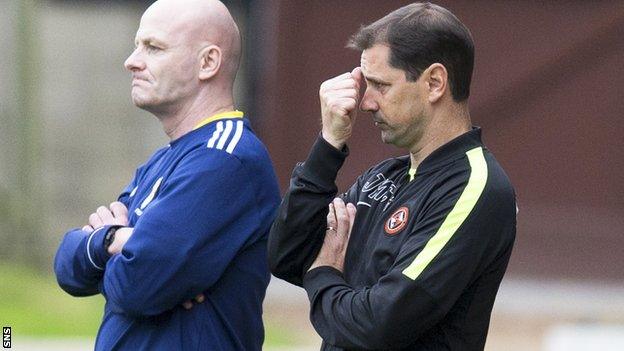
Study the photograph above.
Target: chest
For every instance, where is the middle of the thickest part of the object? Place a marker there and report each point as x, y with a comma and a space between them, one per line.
388, 209
149, 182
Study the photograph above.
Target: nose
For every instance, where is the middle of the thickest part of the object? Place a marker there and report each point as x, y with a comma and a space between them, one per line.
368, 103
134, 62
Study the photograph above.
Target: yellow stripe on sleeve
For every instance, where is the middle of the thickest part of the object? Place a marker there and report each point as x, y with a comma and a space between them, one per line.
466, 202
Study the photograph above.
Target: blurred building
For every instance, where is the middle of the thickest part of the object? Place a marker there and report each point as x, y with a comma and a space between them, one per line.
547, 91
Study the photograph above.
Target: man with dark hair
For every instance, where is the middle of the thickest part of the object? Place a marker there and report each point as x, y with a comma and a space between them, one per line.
412, 255
419, 35
194, 220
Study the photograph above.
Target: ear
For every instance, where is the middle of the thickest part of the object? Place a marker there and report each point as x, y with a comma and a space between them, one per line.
210, 60
437, 81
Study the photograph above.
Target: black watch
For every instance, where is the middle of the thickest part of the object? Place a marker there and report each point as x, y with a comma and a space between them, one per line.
110, 235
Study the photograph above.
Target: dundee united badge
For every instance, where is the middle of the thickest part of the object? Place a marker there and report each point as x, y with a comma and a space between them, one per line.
397, 221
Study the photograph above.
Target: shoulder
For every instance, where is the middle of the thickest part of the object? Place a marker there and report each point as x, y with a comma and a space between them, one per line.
476, 180
236, 138
484, 171
225, 144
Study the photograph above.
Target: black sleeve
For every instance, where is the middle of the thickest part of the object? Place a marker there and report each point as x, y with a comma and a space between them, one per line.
423, 284
297, 233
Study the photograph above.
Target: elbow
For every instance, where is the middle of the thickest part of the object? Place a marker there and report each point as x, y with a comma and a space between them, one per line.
274, 262
282, 269
132, 305
74, 289
278, 266
391, 336
133, 302
385, 331
398, 329
386, 335
70, 279
275, 251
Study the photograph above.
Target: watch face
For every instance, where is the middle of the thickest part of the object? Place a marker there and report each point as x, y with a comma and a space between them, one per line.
110, 236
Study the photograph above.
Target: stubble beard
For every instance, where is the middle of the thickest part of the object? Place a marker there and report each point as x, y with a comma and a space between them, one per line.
144, 101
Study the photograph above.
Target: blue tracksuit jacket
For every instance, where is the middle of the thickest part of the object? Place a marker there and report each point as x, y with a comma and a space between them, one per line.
201, 209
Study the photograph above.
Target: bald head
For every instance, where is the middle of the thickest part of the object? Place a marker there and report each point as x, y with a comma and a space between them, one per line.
186, 58
199, 23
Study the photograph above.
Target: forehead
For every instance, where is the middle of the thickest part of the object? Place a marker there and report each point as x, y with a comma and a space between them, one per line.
374, 54
375, 65
375, 62
156, 25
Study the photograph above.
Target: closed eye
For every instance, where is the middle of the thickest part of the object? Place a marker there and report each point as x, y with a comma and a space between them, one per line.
150, 45
377, 85
152, 48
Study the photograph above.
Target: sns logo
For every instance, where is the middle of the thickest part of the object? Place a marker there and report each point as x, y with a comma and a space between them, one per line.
6, 337
397, 221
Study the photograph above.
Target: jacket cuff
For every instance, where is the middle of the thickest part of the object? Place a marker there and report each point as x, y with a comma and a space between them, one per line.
97, 254
320, 278
324, 161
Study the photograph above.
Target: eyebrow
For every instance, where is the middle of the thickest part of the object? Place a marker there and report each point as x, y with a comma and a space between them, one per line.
376, 80
149, 40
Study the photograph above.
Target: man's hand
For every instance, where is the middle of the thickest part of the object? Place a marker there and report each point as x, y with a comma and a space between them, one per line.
340, 221
116, 214
121, 237
339, 101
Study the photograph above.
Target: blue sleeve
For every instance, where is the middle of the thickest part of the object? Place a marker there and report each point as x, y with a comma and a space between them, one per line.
80, 260
204, 215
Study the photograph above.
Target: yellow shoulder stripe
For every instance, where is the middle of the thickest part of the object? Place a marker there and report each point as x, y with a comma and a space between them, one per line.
466, 202
218, 116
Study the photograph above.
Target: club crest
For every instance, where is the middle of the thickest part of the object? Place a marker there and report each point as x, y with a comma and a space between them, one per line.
397, 221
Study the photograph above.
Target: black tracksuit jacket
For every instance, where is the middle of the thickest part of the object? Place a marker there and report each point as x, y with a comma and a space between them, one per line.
425, 257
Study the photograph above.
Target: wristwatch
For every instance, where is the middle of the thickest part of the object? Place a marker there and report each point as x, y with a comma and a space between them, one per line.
110, 235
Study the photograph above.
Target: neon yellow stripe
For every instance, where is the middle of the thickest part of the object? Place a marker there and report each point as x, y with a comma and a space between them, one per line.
459, 213
218, 116
411, 173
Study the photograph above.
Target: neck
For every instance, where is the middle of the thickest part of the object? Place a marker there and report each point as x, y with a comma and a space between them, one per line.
178, 122
446, 125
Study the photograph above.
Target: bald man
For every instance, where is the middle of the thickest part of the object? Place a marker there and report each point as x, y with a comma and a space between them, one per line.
193, 222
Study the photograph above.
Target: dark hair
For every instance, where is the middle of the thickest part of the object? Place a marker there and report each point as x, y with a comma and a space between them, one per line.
419, 35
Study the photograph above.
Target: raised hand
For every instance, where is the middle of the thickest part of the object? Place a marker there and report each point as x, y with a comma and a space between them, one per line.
339, 102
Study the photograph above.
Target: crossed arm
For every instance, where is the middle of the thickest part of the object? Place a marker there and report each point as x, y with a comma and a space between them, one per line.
160, 263
117, 214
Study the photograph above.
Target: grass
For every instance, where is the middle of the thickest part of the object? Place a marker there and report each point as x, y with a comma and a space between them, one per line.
33, 305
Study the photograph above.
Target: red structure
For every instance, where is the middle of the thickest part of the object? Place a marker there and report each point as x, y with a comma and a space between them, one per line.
548, 90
